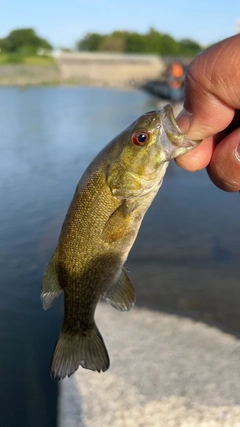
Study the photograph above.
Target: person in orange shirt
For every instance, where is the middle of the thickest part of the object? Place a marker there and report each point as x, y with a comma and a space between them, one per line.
175, 75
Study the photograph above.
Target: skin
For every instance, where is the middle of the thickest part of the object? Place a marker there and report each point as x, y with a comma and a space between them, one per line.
212, 113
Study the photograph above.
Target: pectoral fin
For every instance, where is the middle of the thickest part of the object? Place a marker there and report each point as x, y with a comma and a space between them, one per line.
117, 224
51, 288
121, 295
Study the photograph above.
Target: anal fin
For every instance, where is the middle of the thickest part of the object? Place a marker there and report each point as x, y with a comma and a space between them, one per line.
51, 288
121, 295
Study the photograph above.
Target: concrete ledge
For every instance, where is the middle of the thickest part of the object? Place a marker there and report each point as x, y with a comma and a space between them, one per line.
108, 57
165, 371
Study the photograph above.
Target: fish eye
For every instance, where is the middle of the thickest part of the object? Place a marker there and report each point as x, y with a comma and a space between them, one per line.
140, 137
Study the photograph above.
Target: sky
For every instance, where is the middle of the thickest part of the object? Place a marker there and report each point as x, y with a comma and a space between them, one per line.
63, 22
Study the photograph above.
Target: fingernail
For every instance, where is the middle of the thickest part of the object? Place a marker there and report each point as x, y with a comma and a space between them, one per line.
184, 120
237, 152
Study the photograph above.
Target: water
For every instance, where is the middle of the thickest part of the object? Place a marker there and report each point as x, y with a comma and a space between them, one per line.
186, 258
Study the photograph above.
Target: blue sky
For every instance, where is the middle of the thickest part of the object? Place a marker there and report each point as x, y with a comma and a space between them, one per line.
63, 22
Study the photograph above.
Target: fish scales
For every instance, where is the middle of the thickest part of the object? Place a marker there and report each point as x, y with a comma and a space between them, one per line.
99, 230
83, 218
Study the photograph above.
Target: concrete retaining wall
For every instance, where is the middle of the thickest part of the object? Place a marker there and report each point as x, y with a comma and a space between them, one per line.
110, 69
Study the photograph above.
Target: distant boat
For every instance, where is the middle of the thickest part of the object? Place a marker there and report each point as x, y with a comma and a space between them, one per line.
160, 89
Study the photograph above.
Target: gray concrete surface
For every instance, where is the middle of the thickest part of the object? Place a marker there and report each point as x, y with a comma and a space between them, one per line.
165, 371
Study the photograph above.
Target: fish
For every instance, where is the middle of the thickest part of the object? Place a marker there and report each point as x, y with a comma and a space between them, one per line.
100, 227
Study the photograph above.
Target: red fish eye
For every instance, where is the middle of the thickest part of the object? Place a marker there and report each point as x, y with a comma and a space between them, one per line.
140, 137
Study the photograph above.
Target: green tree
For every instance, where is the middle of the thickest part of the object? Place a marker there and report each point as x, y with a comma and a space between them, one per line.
169, 46
24, 41
161, 44
134, 43
91, 42
152, 41
189, 47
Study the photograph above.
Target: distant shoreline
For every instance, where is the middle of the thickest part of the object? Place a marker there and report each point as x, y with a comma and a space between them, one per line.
89, 69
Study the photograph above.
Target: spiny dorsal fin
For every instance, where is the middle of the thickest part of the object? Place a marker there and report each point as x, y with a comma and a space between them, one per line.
51, 288
121, 295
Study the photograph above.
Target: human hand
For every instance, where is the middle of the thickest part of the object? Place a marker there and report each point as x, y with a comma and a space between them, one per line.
212, 113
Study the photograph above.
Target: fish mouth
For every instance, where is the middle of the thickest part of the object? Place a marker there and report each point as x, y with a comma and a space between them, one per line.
173, 140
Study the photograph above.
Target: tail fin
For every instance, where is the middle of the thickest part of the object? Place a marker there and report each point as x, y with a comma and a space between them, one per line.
72, 350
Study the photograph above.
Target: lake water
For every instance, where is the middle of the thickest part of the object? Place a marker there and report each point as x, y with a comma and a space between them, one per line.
185, 260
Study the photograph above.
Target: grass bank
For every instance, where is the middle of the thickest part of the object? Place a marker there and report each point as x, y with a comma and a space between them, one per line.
16, 58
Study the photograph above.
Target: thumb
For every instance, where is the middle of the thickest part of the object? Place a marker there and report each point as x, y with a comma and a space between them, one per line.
212, 91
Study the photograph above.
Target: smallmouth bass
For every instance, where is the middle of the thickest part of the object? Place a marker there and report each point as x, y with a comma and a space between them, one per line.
99, 230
